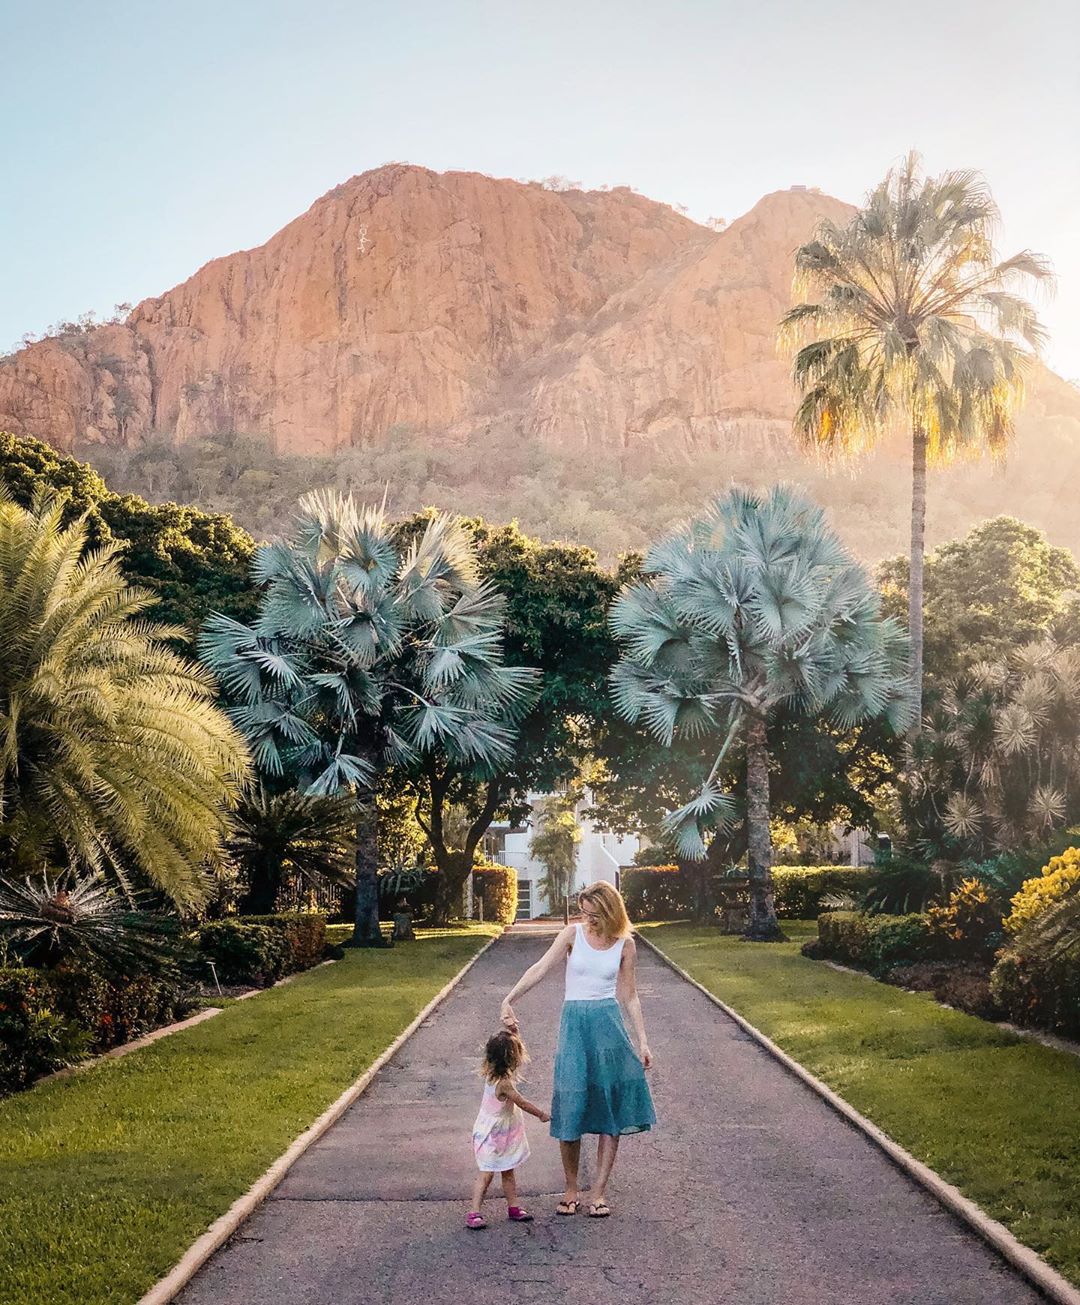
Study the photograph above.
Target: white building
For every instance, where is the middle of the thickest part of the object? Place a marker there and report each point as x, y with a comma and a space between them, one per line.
599, 856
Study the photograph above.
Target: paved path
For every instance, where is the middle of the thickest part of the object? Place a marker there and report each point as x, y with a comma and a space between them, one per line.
750, 1191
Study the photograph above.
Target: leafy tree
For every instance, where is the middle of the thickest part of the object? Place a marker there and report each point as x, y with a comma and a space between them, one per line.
113, 756
996, 768
1002, 586
363, 657
556, 601
554, 844
917, 320
752, 607
280, 839
195, 562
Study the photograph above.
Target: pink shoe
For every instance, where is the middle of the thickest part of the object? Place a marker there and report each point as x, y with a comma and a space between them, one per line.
517, 1215
474, 1219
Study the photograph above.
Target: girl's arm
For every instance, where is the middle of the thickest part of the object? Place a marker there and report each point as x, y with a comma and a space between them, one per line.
628, 995
507, 1092
533, 975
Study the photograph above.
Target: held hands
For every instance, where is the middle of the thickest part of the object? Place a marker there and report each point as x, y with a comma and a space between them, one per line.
646, 1055
543, 1116
509, 1019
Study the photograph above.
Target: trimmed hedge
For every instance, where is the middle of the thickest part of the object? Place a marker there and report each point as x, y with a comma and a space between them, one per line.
261, 949
800, 888
53, 1018
496, 887
873, 942
656, 892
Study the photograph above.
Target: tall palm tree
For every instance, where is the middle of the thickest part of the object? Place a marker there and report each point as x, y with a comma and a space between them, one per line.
114, 758
909, 316
364, 656
752, 605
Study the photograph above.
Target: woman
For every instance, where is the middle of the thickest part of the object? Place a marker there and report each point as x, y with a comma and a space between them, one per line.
599, 1080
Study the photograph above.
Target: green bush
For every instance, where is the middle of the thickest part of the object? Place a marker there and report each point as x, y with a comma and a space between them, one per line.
34, 1038
873, 942
496, 887
656, 892
800, 888
244, 953
1038, 990
305, 934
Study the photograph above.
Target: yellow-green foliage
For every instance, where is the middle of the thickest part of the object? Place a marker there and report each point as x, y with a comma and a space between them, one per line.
969, 923
1059, 878
496, 886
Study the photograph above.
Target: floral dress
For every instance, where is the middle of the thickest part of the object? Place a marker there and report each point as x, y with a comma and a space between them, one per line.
499, 1139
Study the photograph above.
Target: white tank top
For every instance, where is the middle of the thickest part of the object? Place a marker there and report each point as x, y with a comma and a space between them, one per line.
591, 974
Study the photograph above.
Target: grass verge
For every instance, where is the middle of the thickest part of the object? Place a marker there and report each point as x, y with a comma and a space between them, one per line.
107, 1177
996, 1115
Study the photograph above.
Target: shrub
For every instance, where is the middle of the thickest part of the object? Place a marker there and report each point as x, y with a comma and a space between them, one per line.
873, 942
656, 892
800, 888
1038, 990
496, 887
969, 924
900, 884
244, 953
1059, 878
305, 936
34, 1038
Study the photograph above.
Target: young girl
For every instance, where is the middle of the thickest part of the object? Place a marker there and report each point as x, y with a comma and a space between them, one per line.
499, 1139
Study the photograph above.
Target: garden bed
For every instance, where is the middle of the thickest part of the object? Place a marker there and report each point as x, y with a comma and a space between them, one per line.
107, 1176
991, 1112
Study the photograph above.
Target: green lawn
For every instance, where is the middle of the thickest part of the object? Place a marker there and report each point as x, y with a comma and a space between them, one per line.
108, 1176
994, 1114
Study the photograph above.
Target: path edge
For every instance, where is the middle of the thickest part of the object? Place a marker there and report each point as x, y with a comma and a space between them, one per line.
200, 1251
1030, 1265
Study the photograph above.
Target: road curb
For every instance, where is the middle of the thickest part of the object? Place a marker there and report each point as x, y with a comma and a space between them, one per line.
1032, 1267
193, 1259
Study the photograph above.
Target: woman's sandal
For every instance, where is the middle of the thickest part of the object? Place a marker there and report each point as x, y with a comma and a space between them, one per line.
567, 1207
599, 1209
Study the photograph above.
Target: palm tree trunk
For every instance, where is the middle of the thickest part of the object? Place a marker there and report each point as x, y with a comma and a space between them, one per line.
763, 926
366, 931
915, 568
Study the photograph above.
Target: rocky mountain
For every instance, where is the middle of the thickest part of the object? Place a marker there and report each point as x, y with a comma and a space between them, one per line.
414, 309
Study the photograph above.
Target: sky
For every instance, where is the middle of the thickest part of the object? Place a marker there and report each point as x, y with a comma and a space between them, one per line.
144, 139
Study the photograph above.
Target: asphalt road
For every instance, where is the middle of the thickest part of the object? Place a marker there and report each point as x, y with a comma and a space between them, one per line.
750, 1190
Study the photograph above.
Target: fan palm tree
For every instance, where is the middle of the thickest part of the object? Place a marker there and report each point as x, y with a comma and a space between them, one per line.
997, 767
753, 605
364, 656
909, 316
290, 837
113, 755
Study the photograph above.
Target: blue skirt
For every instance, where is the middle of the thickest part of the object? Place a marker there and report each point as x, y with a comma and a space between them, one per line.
599, 1081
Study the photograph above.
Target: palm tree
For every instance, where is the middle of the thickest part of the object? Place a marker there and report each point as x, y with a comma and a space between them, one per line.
114, 758
363, 657
753, 605
996, 767
555, 842
289, 838
909, 316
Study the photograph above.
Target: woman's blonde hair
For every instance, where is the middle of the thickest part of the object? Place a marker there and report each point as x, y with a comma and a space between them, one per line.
608, 903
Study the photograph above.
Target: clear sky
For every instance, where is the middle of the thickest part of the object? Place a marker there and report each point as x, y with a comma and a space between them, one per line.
144, 138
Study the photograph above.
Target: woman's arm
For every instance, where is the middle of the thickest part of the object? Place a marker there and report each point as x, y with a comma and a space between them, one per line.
506, 1092
628, 995
533, 975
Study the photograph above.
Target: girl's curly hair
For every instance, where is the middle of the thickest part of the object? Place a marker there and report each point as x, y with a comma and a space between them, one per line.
504, 1055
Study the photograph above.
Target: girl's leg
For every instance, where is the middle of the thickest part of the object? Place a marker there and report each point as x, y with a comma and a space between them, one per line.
509, 1184
607, 1148
571, 1159
483, 1181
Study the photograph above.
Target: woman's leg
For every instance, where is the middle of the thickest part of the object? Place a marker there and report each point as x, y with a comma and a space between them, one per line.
483, 1181
571, 1160
607, 1148
509, 1184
